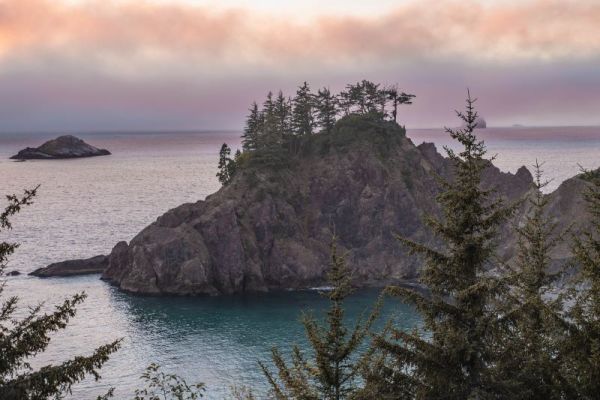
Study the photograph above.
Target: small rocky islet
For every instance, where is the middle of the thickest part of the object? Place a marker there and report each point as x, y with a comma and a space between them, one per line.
63, 147
270, 228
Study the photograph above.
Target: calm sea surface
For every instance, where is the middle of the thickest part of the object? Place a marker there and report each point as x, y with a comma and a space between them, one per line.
85, 206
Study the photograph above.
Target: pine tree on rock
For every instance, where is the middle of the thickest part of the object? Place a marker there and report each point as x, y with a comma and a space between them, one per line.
269, 118
326, 109
283, 115
528, 363
374, 98
331, 374
303, 122
583, 346
252, 129
227, 165
455, 361
21, 338
397, 98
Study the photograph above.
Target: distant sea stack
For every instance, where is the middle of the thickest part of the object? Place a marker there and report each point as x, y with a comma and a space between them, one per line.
62, 147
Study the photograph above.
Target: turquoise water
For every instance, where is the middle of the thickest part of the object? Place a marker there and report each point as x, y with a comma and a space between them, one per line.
215, 340
85, 206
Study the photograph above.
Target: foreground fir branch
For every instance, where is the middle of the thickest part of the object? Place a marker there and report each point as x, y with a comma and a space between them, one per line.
331, 374
23, 338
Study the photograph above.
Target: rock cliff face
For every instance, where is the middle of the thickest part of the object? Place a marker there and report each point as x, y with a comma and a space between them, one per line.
62, 147
271, 227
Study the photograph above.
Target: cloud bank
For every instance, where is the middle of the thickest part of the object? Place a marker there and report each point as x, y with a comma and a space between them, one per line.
99, 63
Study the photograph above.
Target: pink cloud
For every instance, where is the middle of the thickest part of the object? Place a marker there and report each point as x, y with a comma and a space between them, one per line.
150, 34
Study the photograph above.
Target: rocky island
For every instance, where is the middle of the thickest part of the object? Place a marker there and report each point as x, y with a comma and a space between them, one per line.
270, 228
62, 147
270, 225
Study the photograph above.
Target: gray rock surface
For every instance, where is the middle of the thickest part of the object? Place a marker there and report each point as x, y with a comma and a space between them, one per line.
94, 265
271, 227
67, 146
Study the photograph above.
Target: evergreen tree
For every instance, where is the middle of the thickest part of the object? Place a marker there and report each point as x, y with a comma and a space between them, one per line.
344, 101
252, 129
455, 362
529, 365
303, 111
276, 127
269, 121
24, 337
374, 98
283, 115
397, 98
352, 100
272, 121
332, 373
326, 109
227, 166
583, 346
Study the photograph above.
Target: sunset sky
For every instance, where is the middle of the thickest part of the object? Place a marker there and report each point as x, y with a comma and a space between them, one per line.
89, 65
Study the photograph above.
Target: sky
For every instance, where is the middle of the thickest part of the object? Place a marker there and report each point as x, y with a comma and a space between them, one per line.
105, 65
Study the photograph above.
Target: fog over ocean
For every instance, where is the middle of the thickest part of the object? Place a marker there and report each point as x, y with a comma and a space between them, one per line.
85, 206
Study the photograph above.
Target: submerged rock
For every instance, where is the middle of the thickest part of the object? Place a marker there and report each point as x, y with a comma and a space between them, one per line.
271, 227
94, 265
67, 146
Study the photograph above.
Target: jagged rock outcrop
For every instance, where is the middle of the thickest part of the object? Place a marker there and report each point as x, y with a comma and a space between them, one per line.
93, 265
66, 146
271, 227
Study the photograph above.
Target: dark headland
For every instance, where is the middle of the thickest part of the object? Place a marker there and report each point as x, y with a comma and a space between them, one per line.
62, 147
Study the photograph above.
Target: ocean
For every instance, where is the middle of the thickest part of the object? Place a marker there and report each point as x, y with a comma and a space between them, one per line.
86, 206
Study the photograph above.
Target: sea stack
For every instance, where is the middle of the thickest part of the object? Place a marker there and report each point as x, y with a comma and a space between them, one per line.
62, 147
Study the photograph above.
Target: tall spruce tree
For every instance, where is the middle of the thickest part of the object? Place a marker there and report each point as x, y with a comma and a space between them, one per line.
252, 129
583, 347
529, 366
326, 109
303, 121
22, 338
454, 360
331, 374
